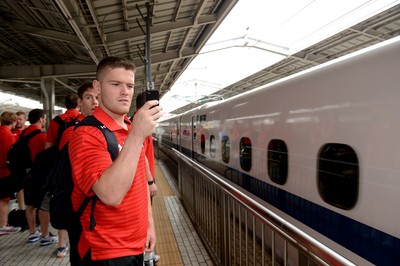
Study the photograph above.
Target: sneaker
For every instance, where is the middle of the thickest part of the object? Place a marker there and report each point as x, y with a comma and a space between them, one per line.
156, 258
51, 239
35, 237
61, 252
6, 230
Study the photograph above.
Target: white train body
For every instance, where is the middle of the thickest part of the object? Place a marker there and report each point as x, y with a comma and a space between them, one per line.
354, 101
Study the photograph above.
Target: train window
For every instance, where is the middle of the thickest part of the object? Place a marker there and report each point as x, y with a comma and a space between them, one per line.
277, 161
212, 146
203, 143
245, 153
225, 149
338, 175
203, 118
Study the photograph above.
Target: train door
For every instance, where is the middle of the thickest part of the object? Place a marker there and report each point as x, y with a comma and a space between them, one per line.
194, 135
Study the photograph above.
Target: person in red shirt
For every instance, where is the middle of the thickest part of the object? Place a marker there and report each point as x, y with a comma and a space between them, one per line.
71, 103
21, 124
19, 127
53, 138
124, 221
8, 121
37, 119
87, 101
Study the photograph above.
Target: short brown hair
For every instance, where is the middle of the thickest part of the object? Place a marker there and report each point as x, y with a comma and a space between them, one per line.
8, 118
83, 88
20, 113
114, 62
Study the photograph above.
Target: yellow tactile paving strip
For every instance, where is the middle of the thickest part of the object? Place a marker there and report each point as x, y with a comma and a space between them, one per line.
166, 245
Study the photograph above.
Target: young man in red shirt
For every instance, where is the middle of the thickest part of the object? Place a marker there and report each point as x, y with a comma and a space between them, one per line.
8, 121
124, 222
71, 103
37, 119
19, 127
87, 101
72, 112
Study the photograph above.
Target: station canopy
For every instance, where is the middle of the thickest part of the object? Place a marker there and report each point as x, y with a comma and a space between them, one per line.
63, 40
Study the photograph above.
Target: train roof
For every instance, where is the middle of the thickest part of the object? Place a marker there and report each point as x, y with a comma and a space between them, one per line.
348, 57
393, 41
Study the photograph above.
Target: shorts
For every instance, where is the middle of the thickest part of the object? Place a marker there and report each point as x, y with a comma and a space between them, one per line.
7, 187
45, 206
33, 193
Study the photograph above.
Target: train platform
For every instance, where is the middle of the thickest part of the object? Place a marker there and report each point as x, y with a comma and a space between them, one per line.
177, 241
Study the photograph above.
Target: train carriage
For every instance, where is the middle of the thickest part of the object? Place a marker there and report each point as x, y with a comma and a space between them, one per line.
319, 148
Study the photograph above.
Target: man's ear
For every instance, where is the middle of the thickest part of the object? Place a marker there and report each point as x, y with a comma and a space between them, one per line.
96, 86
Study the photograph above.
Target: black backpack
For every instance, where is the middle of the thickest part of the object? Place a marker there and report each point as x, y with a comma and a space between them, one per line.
62, 215
63, 125
44, 160
19, 159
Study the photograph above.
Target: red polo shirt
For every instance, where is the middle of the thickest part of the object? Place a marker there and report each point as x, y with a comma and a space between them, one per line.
52, 131
66, 136
36, 143
120, 230
17, 132
7, 139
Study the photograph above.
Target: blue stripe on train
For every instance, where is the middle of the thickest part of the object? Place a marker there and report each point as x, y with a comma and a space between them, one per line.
369, 243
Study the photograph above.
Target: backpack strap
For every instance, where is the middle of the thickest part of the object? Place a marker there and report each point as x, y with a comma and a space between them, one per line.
63, 125
112, 143
30, 135
112, 147
58, 120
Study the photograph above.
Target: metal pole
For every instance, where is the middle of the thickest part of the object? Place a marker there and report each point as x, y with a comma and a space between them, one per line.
150, 84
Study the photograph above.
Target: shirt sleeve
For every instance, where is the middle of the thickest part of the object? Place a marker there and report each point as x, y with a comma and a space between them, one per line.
52, 132
89, 157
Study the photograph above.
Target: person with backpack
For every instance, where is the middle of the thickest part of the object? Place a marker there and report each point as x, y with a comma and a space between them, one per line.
87, 101
122, 214
7, 187
33, 193
55, 131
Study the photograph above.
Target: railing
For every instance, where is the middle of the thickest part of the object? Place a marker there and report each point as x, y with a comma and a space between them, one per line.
237, 230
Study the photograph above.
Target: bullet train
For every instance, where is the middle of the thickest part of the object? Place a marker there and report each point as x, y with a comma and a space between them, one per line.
320, 148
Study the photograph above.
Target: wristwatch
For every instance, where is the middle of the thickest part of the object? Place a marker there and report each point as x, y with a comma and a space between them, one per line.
150, 183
